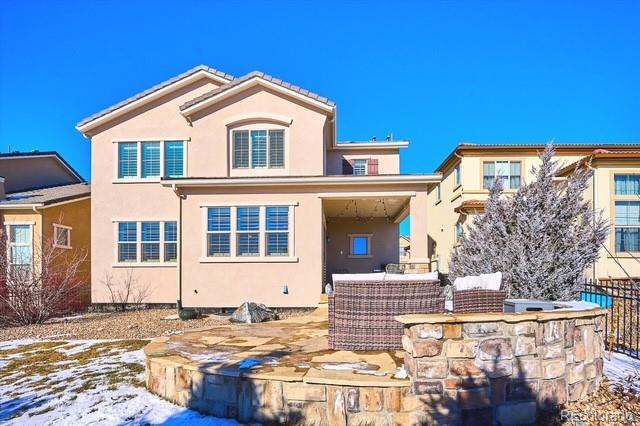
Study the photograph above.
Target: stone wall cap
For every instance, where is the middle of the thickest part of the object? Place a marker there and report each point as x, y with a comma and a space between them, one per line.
498, 316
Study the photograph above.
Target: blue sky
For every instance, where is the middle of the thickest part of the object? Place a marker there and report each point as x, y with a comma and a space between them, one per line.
436, 73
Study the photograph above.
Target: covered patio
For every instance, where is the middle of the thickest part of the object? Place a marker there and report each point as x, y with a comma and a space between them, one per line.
362, 230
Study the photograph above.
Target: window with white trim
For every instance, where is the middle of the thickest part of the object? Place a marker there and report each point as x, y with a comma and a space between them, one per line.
20, 247
507, 171
277, 231
147, 242
151, 159
627, 226
360, 167
246, 231
360, 245
61, 236
258, 149
457, 175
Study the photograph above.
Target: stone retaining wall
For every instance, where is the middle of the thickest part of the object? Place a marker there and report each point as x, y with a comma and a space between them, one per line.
489, 371
463, 369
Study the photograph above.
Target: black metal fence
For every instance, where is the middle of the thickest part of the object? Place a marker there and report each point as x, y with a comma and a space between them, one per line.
621, 299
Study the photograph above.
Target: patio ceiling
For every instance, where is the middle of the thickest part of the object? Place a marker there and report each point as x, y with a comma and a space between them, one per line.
393, 208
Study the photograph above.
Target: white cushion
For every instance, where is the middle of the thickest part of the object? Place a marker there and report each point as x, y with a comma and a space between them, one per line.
375, 276
428, 276
484, 281
466, 283
491, 281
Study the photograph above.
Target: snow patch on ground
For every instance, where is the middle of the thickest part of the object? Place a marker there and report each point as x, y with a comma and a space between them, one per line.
623, 370
88, 382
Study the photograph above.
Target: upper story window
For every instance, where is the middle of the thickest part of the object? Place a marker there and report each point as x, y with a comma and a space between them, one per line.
360, 166
258, 149
438, 192
507, 171
627, 184
458, 175
151, 159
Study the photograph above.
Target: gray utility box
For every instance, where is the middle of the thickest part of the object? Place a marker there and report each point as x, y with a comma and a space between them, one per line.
527, 305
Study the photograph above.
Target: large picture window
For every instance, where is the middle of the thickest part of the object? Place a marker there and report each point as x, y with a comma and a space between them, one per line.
151, 160
258, 149
147, 242
248, 231
507, 171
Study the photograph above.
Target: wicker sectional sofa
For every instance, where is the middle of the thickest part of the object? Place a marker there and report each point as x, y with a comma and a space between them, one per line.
361, 313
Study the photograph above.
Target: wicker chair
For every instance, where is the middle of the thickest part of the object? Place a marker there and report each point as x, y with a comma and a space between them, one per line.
361, 313
480, 300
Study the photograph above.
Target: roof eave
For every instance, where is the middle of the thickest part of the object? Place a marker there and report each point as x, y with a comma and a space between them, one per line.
251, 82
89, 123
304, 181
370, 145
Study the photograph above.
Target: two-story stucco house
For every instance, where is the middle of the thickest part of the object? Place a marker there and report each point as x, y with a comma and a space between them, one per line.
470, 170
218, 190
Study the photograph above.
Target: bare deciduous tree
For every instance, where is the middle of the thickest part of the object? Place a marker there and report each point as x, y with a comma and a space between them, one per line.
42, 286
126, 291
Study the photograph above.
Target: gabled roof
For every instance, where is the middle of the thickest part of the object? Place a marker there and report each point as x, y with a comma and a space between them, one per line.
152, 93
600, 154
36, 154
520, 147
46, 196
249, 80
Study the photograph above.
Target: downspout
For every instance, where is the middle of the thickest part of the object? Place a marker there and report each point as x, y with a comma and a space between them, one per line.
180, 198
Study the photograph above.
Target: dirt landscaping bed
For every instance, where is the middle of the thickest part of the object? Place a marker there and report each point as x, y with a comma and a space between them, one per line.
142, 324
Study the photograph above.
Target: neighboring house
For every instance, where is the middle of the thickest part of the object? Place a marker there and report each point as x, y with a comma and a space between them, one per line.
43, 201
615, 190
216, 190
404, 248
471, 169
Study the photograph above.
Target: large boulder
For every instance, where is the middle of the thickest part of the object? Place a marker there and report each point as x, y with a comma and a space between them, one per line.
250, 312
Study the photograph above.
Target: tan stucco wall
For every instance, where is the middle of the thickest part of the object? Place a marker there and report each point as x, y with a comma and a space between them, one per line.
441, 216
384, 244
607, 266
230, 282
77, 215
388, 160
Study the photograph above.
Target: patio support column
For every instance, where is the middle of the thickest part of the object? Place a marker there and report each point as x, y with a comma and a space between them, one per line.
418, 227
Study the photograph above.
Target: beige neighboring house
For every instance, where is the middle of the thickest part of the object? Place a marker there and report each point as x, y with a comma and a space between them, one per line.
404, 248
470, 169
44, 201
217, 190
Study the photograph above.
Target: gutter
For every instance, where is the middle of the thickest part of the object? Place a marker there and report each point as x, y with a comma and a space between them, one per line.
179, 260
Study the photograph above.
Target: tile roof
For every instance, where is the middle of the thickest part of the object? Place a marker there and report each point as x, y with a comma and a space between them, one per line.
46, 196
155, 89
600, 153
263, 76
466, 146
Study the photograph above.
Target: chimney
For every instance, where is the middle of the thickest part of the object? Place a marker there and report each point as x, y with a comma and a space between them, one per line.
2, 193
